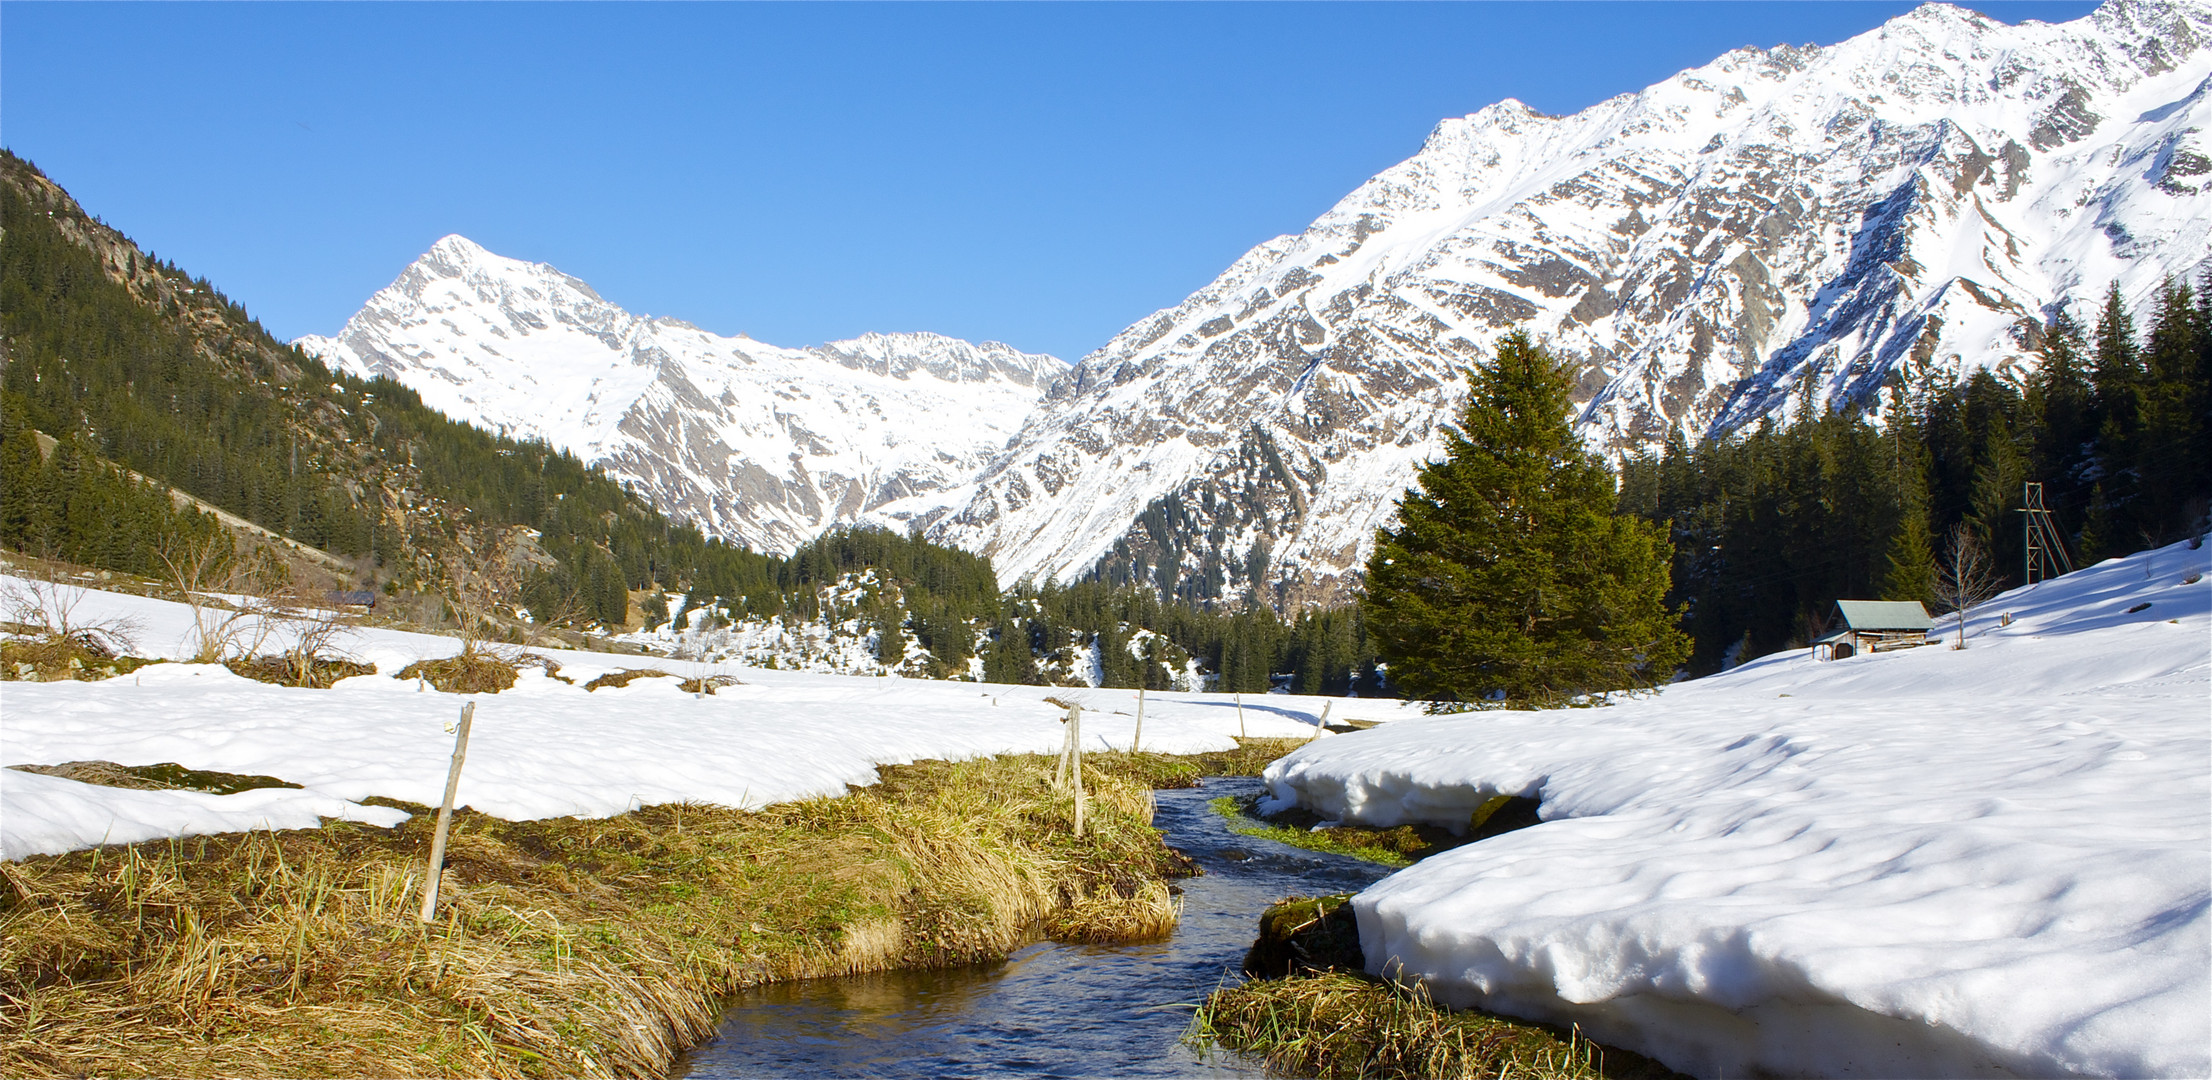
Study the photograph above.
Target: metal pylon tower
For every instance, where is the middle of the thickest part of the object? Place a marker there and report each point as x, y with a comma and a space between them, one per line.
2045, 550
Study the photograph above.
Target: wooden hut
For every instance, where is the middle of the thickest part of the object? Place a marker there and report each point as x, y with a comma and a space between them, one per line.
1875, 626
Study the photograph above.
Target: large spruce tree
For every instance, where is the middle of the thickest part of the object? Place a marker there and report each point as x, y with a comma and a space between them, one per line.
1509, 572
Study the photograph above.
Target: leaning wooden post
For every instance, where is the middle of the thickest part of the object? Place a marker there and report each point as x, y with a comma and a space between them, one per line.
445, 815
1323, 723
1138, 739
1075, 741
1240, 716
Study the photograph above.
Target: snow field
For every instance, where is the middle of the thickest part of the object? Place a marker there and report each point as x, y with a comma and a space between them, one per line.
543, 749
1982, 863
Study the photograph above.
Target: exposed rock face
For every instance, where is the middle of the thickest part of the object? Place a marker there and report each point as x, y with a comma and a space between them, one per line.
755, 443
1772, 231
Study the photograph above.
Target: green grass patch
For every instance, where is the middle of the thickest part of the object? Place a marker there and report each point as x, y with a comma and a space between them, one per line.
1398, 847
1342, 1025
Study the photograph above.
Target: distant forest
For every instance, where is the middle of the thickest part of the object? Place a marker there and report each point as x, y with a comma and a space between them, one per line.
1774, 524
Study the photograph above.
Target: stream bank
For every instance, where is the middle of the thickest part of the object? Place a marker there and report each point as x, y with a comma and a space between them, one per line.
1050, 1009
565, 947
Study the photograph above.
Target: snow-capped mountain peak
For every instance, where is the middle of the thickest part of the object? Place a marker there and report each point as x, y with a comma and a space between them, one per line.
757, 443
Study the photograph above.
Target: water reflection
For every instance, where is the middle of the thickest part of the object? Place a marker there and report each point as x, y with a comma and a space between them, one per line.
1050, 1009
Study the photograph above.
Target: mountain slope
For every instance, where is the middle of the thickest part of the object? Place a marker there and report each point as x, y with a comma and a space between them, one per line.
749, 441
1780, 226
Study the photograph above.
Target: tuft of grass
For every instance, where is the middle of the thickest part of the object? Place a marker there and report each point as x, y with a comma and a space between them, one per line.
1158, 772
620, 679
562, 947
465, 673
1250, 758
314, 672
1397, 847
1339, 1025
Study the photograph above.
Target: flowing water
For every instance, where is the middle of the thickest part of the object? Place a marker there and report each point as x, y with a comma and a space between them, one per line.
1050, 1009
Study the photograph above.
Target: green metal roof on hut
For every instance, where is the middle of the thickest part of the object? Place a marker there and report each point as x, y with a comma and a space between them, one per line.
1879, 615
1875, 626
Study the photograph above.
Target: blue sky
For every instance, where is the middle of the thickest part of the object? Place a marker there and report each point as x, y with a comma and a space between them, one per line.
1039, 174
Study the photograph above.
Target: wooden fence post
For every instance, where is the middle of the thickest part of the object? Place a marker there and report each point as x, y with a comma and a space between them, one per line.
1240, 716
1323, 723
1138, 739
445, 815
1075, 741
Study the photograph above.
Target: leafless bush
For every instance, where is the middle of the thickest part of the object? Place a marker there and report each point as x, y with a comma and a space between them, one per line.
47, 608
480, 580
1965, 578
54, 637
223, 587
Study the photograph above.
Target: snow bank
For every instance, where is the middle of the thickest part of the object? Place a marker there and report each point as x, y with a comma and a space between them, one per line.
47, 815
1981, 863
543, 749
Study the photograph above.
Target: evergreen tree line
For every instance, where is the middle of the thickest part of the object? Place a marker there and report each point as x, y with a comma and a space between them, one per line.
71, 505
1772, 525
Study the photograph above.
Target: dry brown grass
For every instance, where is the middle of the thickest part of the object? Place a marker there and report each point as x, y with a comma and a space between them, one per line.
1340, 1025
313, 672
626, 676
565, 948
467, 673
1250, 758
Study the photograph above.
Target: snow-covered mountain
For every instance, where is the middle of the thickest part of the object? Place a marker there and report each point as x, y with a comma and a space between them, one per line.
765, 445
1780, 220
1778, 228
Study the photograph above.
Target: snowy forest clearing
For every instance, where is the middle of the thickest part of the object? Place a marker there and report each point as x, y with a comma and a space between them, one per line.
1981, 863
546, 748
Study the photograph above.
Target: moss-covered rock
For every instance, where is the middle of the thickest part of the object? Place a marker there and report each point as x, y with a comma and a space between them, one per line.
1303, 935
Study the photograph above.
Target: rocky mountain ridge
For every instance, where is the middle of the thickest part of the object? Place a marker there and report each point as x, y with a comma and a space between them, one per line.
751, 441
1775, 231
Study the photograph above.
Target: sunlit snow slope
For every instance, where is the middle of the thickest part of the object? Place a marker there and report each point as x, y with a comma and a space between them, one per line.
546, 748
752, 442
1989, 862
1785, 218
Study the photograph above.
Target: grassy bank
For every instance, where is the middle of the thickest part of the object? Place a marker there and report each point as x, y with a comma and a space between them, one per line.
1341, 1025
565, 947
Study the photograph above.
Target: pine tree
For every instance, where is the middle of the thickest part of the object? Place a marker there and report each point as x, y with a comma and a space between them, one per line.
2171, 455
1509, 572
1910, 573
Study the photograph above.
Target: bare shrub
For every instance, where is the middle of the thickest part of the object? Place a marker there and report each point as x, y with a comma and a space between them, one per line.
57, 636
479, 579
1965, 578
223, 587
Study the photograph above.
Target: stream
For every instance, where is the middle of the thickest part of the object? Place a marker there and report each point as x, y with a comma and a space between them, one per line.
1049, 1009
